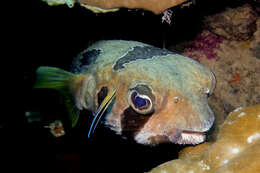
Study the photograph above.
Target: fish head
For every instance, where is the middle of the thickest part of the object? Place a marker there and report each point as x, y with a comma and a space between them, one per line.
176, 119
151, 112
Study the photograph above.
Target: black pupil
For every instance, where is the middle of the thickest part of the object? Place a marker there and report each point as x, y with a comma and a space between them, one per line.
140, 102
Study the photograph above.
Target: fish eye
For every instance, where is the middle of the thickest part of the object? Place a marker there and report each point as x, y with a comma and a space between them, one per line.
141, 103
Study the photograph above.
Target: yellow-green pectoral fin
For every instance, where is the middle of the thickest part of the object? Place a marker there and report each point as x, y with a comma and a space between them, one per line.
64, 82
52, 77
72, 111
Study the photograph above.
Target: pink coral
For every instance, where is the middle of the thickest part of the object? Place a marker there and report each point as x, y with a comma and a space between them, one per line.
205, 43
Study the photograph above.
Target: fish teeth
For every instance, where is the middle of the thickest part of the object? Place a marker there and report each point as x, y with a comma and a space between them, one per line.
191, 138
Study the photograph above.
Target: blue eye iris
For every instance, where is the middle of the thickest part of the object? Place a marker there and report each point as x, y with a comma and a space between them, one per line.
139, 102
142, 104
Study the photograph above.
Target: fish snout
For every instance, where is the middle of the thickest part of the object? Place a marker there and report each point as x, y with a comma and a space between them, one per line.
179, 125
207, 124
207, 119
195, 134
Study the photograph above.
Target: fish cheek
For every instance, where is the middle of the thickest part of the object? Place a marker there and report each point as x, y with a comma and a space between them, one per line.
132, 122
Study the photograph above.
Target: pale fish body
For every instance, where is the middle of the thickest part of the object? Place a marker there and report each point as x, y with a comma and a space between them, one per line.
151, 95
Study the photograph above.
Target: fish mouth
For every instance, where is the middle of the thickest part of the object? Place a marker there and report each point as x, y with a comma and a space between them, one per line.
188, 137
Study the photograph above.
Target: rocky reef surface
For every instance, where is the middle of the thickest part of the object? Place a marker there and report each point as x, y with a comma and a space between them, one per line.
234, 23
230, 47
236, 149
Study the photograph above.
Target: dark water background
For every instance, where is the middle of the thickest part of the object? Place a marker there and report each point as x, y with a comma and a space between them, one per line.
53, 36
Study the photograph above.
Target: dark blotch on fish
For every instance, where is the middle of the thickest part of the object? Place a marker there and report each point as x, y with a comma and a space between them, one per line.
85, 58
102, 94
89, 57
132, 122
146, 52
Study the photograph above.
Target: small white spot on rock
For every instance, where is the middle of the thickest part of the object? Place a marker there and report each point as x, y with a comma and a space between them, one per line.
204, 166
225, 161
235, 150
163, 171
191, 171
237, 109
258, 116
241, 114
255, 136
230, 122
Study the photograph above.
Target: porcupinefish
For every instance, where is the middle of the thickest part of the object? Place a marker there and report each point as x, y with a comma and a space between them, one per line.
145, 93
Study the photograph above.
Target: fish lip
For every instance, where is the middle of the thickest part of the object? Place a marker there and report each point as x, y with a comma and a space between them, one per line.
188, 137
193, 136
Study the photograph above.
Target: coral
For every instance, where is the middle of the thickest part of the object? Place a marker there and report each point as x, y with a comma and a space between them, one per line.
205, 43
255, 45
256, 50
56, 128
233, 24
113, 5
167, 14
236, 67
256, 5
236, 150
